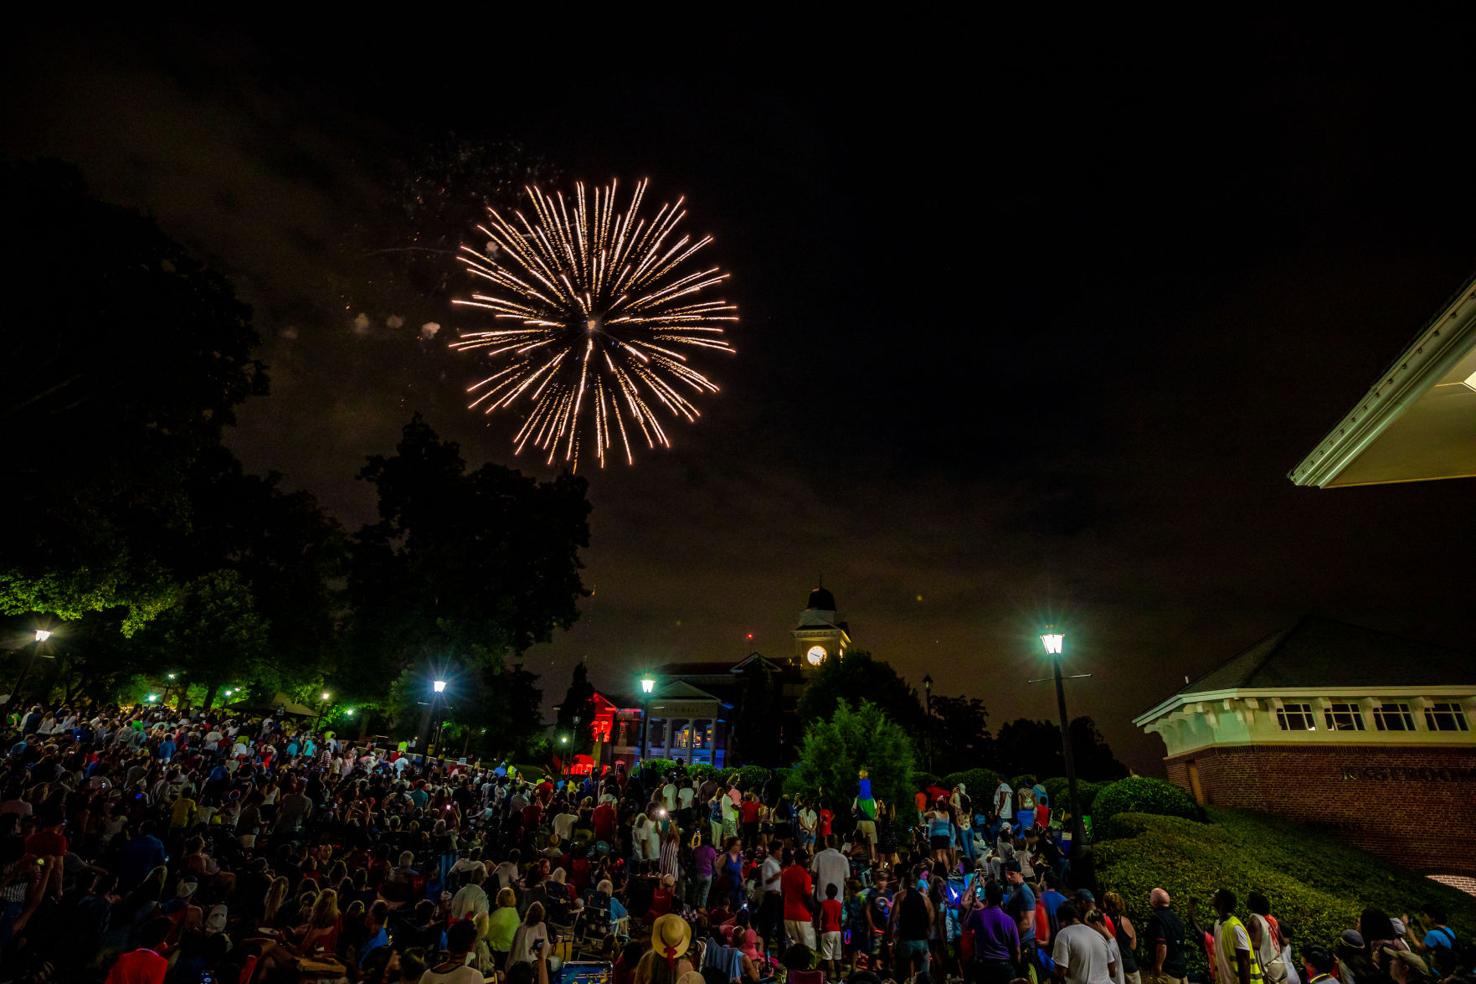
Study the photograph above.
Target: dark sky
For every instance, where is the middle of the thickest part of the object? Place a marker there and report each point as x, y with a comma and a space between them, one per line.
1036, 317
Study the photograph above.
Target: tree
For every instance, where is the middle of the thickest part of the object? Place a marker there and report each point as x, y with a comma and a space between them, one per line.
1034, 747
578, 702
836, 749
959, 729
758, 735
857, 677
130, 360
461, 574
287, 552
215, 636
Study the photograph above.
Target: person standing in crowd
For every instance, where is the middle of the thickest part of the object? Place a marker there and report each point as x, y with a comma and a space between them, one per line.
996, 941
1167, 956
1235, 958
1080, 953
1125, 934
799, 901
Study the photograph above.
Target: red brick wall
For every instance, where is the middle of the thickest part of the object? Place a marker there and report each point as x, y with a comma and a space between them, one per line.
1414, 806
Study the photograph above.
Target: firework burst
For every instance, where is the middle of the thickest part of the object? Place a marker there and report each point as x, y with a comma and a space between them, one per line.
596, 309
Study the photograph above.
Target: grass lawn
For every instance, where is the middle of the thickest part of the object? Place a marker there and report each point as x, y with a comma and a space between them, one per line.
1317, 885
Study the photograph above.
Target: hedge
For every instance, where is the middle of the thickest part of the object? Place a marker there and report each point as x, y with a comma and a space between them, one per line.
657, 767
1316, 884
980, 784
752, 777
1086, 793
1141, 794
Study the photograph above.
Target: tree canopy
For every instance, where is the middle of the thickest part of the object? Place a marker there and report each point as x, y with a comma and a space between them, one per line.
461, 574
836, 748
856, 677
130, 359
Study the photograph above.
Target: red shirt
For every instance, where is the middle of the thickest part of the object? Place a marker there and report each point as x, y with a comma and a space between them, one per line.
823, 827
138, 967
796, 885
750, 811
46, 843
830, 916
603, 819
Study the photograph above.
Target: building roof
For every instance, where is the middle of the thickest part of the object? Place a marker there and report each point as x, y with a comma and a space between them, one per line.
1321, 652
1328, 656
696, 669
822, 600
1418, 420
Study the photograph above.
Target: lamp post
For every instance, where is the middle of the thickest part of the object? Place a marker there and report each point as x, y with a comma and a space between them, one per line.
41, 636
928, 710
428, 728
1055, 643
648, 684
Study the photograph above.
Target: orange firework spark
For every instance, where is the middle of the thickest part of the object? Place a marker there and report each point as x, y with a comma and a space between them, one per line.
595, 311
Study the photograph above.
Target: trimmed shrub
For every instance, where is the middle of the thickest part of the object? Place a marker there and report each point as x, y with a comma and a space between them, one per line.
701, 772
922, 780
1141, 794
980, 784
1086, 793
753, 777
657, 767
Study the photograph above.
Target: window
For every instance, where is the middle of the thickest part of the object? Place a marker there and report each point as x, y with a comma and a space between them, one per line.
1343, 717
1393, 716
1296, 717
1446, 716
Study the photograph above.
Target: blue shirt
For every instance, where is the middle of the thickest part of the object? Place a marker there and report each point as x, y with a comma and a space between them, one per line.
374, 942
1019, 902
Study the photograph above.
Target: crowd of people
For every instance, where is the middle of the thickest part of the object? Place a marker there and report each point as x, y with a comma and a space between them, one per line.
148, 845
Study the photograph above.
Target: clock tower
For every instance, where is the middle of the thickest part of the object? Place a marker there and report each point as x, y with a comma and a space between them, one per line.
820, 635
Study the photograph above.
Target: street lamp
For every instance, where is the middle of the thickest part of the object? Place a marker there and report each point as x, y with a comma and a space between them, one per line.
648, 684
1055, 644
439, 686
15, 691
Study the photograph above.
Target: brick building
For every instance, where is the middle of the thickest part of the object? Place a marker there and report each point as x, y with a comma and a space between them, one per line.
1329, 723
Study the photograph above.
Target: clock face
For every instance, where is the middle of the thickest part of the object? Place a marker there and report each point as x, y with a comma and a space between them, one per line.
816, 655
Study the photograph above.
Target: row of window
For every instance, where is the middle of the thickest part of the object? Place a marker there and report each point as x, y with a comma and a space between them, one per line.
1389, 716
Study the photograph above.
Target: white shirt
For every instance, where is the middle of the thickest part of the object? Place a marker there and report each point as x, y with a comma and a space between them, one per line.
1004, 796
668, 796
465, 974
770, 870
807, 819
684, 797
1083, 953
830, 867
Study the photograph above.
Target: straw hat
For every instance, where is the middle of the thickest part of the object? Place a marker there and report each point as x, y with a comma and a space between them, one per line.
670, 937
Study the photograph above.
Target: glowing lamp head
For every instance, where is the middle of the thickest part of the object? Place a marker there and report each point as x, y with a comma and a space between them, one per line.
439, 686
152, 698
326, 695
1053, 641
42, 635
349, 712
173, 675
563, 739
648, 684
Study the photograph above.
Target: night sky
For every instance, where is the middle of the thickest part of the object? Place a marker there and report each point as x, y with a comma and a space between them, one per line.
1035, 321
